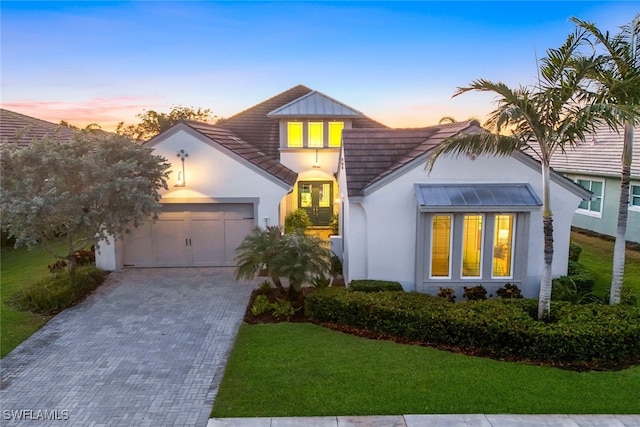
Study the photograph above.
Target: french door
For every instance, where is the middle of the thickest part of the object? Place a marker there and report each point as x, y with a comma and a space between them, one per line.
316, 198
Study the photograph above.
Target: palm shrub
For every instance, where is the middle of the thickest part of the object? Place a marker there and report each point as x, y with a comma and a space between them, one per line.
297, 221
257, 251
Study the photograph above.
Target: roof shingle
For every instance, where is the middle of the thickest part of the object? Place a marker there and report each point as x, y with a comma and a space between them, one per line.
16, 128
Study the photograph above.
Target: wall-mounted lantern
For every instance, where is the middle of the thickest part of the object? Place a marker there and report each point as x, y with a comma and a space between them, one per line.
316, 165
181, 181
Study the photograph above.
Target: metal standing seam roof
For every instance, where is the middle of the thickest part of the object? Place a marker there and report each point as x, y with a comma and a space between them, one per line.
470, 197
314, 104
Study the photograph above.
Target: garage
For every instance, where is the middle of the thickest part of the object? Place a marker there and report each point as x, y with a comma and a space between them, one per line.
190, 234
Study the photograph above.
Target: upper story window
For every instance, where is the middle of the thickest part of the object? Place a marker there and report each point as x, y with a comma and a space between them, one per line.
313, 134
597, 188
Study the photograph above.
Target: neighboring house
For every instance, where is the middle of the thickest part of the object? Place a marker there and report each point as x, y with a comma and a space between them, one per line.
16, 128
595, 164
467, 222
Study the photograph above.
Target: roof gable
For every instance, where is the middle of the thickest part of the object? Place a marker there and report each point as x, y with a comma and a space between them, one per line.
16, 128
314, 104
229, 141
370, 155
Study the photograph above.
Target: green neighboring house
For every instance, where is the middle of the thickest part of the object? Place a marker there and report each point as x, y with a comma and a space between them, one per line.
595, 163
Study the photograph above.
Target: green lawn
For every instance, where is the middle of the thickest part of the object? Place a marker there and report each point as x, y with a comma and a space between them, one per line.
19, 268
292, 369
597, 256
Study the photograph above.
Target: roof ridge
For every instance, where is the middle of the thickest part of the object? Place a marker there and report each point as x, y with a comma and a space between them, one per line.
294, 88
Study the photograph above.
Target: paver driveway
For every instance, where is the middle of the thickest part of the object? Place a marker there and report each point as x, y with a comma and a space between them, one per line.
147, 349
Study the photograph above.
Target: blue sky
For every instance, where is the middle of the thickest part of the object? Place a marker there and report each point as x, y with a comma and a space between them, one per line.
398, 62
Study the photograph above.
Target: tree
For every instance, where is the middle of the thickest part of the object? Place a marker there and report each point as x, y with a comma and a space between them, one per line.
618, 77
542, 119
257, 251
154, 123
85, 190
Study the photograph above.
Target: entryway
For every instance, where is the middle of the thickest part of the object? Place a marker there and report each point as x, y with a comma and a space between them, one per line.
316, 197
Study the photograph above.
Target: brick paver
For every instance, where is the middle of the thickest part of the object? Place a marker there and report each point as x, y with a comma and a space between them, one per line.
147, 349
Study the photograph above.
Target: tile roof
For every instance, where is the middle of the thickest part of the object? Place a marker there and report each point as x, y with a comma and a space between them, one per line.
230, 141
372, 154
16, 128
255, 127
599, 154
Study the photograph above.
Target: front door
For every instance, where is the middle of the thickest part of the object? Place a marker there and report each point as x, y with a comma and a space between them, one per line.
316, 197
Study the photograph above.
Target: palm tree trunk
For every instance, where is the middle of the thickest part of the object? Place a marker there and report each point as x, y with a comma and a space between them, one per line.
544, 299
623, 207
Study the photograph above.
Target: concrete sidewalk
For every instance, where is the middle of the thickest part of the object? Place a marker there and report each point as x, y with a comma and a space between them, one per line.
439, 420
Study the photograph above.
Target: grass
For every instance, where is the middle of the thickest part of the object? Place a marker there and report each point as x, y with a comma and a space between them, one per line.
293, 369
597, 256
19, 269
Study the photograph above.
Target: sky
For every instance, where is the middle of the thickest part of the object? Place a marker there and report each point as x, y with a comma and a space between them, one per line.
397, 62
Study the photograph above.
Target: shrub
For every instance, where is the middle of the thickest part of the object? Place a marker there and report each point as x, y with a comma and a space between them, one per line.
55, 293
374, 286
627, 297
509, 290
297, 221
283, 308
577, 336
85, 256
260, 305
447, 293
57, 267
265, 288
336, 265
475, 293
575, 249
321, 282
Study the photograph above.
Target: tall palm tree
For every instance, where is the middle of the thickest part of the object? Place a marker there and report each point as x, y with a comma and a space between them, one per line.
618, 76
542, 119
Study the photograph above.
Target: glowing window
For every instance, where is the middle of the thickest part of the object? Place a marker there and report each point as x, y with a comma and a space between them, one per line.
316, 134
335, 133
294, 134
472, 246
503, 245
440, 246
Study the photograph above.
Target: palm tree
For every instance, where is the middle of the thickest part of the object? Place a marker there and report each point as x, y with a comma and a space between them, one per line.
618, 76
301, 259
542, 119
257, 251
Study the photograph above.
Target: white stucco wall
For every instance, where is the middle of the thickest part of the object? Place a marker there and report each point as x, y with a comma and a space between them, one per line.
386, 228
212, 175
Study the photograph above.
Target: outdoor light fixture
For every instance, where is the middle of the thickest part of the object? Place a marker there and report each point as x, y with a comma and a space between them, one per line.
316, 165
180, 182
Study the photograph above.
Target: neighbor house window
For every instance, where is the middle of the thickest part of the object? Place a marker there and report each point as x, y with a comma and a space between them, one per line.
295, 137
441, 245
472, 237
503, 245
596, 187
335, 133
634, 196
316, 134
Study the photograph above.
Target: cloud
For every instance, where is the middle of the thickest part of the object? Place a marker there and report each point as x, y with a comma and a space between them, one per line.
107, 112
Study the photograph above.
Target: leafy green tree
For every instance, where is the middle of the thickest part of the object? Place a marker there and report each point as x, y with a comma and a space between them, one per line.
542, 119
153, 123
618, 78
85, 190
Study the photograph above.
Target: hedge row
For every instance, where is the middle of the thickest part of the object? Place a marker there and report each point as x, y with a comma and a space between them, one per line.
367, 285
592, 336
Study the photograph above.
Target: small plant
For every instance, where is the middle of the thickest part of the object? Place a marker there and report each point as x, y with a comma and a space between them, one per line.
334, 223
57, 267
336, 265
321, 282
265, 288
85, 256
283, 308
475, 293
447, 293
575, 249
261, 305
297, 221
508, 291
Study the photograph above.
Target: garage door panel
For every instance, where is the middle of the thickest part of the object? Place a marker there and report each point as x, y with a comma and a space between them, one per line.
207, 241
170, 242
138, 247
235, 232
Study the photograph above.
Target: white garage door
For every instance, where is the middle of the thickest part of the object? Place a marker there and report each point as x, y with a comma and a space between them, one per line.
203, 234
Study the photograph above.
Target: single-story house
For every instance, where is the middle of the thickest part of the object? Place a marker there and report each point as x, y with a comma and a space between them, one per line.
469, 221
595, 164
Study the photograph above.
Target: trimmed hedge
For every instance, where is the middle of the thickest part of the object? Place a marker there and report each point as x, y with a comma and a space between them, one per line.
57, 292
374, 286
578, 336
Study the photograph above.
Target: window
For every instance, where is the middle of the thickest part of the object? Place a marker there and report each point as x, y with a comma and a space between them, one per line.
634, 197
335, 133
472, 246
313, 134
316, 137
441, 245
596, 187
295, 134
503, 246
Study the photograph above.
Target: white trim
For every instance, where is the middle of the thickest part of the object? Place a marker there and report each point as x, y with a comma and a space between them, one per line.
451, 223
514, 226
482, 248
589, 212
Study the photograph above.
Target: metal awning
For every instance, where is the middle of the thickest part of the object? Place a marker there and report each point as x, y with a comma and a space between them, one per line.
476, 197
